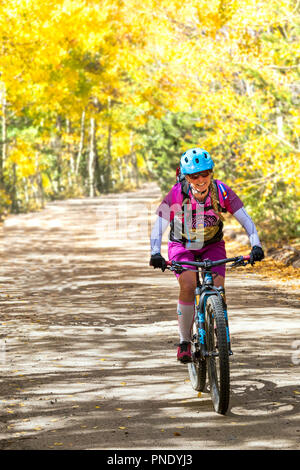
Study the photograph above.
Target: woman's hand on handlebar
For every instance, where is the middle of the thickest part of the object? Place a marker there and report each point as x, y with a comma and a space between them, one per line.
257, 254
158, 261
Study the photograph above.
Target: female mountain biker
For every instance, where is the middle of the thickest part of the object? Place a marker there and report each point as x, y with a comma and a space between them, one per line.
193, 208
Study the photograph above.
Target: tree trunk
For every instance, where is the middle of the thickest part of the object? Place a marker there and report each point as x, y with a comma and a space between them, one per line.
13, 193
135, 169
58, 149
92, 158
108, 171
120, 170
39, 181
81, 142
69, 147
109, 160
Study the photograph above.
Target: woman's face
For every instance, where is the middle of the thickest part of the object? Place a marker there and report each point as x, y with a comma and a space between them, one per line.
200, 181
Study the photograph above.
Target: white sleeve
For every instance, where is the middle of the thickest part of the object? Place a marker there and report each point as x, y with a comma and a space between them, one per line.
158, 230
247, 223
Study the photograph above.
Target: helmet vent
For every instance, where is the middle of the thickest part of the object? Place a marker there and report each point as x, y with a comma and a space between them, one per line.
194, 151
186, 159
197, 160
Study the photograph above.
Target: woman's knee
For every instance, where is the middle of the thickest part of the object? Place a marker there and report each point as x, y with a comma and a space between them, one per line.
187, 282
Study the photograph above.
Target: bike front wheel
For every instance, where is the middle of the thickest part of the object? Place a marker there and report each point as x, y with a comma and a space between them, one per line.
217, 354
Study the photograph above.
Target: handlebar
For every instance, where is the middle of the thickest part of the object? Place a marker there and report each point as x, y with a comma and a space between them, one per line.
237, 261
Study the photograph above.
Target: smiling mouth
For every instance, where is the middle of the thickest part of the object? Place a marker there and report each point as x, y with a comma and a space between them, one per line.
199, 188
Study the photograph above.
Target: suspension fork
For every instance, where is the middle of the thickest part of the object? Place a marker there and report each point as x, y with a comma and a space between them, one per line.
222, 293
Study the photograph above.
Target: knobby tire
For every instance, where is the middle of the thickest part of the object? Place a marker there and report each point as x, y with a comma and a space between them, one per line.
218, 365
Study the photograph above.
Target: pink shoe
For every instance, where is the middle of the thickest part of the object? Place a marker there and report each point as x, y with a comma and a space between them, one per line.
184, 352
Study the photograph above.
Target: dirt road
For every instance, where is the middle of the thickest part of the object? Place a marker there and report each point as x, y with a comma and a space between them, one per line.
87, 340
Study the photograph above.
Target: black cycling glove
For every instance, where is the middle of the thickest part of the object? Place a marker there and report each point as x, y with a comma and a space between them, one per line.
158, 261
257, 254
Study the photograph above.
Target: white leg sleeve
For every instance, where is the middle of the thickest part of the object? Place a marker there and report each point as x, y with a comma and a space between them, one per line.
185, 314
158, 230
247, 223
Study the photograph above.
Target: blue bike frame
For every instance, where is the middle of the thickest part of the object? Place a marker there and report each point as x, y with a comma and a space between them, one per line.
205, 290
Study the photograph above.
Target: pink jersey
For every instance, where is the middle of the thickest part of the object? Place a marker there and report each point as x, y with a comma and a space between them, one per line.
201, 220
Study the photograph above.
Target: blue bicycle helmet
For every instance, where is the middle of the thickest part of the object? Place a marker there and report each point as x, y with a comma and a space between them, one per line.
195, 160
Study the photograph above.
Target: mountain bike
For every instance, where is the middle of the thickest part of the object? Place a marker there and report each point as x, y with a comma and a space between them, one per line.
210, 345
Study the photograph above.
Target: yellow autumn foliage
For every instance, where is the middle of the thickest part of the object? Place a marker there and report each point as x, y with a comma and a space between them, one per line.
232, 65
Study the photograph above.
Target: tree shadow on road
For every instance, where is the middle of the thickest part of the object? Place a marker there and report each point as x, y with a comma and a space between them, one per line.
89, 362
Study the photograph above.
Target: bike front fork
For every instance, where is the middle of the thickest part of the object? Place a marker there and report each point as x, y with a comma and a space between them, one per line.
201, 322
222, 292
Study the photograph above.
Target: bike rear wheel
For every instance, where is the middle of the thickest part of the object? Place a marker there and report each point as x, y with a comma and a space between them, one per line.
218, 354
197, 368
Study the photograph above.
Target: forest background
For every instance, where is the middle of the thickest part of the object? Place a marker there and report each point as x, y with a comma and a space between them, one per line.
99, 96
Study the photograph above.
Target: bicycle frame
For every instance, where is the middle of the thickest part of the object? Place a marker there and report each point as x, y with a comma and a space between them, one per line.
206, 289
202, 292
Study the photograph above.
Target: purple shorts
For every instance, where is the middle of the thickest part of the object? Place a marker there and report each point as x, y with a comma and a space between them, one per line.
214, 252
